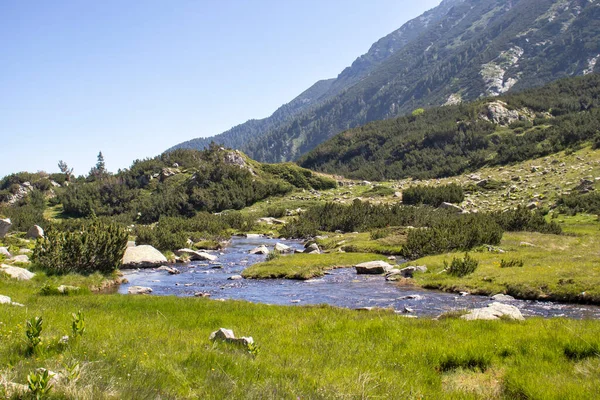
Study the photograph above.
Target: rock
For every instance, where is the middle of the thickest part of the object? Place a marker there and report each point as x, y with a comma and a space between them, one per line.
398, 195
144, 256
196, 255
227, 335
526, 244
392, 258
65, 289
25, 251
5, 225
282, 248
202, 294
532, 206
21, 258
494, 311
499, 114
139, 290
412, 297
298, 251
4, 251
260, 250
451, 207
373, 268
253, 235
5, 300
130, 243
421, 268
18, 273
271, 221
35, 232
312, 247
235, 278
171, 271
502, 297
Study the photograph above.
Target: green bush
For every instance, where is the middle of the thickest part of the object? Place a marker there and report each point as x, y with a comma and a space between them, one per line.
433, 195
97, 247
511, 263
522, 219
460, 268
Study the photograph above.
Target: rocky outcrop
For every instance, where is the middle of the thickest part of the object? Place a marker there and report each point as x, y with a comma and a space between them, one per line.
35, 232
373, 268
139, 290
494, 311
20, 274
196, 255
144, 256
5, 226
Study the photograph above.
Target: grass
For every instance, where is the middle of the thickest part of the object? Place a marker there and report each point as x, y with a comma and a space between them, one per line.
305, 266
157, 347
557, 267
362, 243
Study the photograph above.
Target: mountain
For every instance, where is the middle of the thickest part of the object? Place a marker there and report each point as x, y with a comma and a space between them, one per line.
450, 140
239, 136
459, 51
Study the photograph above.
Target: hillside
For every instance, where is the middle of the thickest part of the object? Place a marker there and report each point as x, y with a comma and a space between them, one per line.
450, 140
475, 48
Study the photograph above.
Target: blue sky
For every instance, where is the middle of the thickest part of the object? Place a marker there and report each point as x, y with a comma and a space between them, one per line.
132, 78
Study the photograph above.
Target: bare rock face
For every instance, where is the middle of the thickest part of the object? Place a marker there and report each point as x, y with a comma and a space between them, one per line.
5, 225
494, 311
144, 256
373, 268
20, 274
35, 232
499, 114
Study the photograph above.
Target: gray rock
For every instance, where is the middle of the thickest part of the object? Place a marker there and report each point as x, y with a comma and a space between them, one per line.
171, 271
312, 247
260, 250
202, 294
502, 297
451, 207
253, 235
271, 221
228, 336
196, 255
5, 225
235, 278
130, 243
64, 289
139, 290
17, 273
143, 256
5, 300
4, 251
35, 232
282, 248
373, 268
494, 311
25, 251
21, 258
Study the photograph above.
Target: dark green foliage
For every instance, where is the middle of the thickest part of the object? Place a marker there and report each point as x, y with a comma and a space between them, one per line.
576, 203
433, 195
511, 263
299, 177
97, 247
461, 267
522, 219
27, 213
447, 141
581, 350
462, 232
466, 361
380, 191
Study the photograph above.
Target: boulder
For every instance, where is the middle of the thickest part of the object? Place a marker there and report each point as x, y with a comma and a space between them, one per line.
227, 335
130, 243
373, 268
139, 290
312, 247
271, 221
5, 300
21, 258
260, 250
408, 272
451, 207
18, 273
172, 271
4, 251
235, 278
253, 235
494, 311
202, 294
35, 232
196, 255
282, 248
5, 225
502, 297
144, 256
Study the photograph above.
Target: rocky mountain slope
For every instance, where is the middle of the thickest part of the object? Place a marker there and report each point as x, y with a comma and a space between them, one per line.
460, 51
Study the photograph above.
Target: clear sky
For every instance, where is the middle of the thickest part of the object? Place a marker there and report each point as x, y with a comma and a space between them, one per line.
133, 78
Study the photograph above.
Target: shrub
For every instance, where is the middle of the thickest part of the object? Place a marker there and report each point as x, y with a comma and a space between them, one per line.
511, 263
433, 195
379, 191
522, 219
460, 268
98, 247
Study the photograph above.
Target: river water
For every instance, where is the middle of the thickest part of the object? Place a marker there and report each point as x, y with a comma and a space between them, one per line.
340, 287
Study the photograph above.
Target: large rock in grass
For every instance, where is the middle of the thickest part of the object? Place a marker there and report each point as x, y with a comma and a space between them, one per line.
21, 258
196, 255
144, 256
494, 311
451, 207
139, 290
35, 232
227, 335
373, 268
20, 274
260, 250
5, 225
4, 252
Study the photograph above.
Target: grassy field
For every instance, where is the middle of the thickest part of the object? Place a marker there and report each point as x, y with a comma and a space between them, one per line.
158, 347
555, 267
305, 266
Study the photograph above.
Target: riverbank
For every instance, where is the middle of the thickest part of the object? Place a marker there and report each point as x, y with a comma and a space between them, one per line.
147, 346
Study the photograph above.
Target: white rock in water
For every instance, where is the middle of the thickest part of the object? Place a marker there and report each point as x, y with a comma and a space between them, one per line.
144, 256
373, 267
139, 290
260, 250
282, 248
196, 255
18, 273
